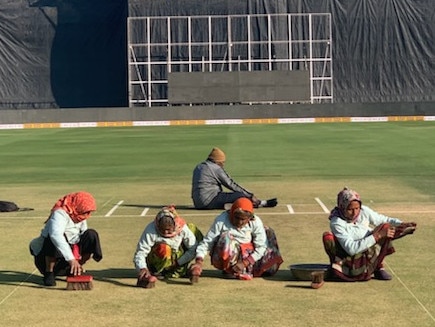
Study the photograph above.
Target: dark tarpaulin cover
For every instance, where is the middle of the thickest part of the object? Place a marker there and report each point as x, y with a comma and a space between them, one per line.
25, 45
63, 53
72, 53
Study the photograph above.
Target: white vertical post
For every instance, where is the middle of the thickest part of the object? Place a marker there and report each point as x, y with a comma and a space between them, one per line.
249, 45
230, 44
169, 59
189, 35
290, 52
330, 56
130, 53
269, 41
149, 66
210, 47
310, 42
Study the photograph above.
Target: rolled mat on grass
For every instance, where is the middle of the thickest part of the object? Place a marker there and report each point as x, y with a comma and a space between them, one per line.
8, 206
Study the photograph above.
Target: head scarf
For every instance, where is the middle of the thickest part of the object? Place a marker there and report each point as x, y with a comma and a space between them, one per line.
244, 204
217, 155
170, 212
77, 205
344, 198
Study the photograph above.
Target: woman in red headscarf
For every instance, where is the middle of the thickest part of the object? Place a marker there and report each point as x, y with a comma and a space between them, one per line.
66, 243
360, 238
239, 245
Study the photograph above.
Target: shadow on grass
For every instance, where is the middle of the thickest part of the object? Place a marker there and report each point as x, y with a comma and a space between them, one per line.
281, 275
26, 279
217, 274
305, 283
116, 276
287, 276
19, 278
10, 277
113, 276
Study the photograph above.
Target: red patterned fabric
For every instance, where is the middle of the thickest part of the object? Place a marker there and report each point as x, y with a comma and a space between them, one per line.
404, 229
361, 266
78, 205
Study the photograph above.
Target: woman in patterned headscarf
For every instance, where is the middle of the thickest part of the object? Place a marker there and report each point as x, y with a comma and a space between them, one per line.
239, 245
360, 238
66, 243
165, 248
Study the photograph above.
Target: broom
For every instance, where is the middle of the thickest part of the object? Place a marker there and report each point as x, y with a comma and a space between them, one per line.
79, 283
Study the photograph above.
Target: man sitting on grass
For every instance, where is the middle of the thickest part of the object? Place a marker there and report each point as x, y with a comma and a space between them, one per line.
209, 178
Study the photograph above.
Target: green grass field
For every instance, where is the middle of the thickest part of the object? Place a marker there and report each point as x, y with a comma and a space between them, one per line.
392, 165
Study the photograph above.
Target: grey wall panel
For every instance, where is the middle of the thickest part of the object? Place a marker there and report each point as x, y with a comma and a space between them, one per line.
212, 112
236, 87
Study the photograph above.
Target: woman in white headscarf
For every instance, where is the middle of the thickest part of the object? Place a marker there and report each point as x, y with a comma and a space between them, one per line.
165, 248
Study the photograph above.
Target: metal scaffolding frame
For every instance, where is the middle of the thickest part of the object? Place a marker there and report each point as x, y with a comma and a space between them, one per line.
160, 45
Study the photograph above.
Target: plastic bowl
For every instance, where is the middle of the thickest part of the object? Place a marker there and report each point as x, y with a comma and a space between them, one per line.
302, 271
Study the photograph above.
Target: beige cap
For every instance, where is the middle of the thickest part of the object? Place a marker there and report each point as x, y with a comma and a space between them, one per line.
217, 155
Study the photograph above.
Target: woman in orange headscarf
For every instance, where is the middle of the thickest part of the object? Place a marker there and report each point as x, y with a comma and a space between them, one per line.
239, 245
66, 243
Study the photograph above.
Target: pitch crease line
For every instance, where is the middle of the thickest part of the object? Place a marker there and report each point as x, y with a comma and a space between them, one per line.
144, 212
114, 208
107, 202
410, 292
324, 208
15, 289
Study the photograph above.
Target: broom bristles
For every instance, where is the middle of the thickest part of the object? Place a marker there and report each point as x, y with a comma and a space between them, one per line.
79, 283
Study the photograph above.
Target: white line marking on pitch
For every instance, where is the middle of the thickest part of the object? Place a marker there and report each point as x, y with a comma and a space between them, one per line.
325, 209
114, 208
144, 212
410, 292
290, 209
108, 201
20, 284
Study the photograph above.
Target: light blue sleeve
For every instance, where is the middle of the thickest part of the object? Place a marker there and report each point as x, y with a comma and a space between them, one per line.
190, 242
348, 238
212, 235
259, 239
56, 227
376, 218
83, 227
358, 238
143, 248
